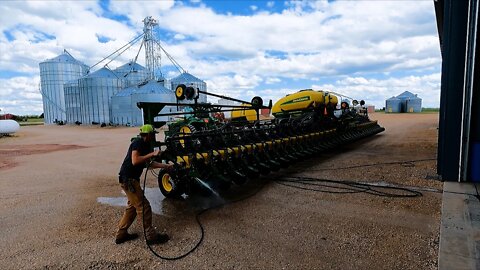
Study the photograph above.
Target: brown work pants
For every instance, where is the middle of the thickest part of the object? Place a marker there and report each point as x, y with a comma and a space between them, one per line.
134, 208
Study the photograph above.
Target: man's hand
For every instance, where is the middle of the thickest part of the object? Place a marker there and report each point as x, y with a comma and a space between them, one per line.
169, 166
155, 153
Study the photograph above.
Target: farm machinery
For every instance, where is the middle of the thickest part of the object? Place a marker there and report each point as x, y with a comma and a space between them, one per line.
208, 150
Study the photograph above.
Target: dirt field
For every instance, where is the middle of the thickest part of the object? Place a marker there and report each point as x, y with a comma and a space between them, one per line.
53, 177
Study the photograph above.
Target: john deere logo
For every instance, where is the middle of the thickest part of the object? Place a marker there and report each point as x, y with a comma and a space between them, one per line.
300, 99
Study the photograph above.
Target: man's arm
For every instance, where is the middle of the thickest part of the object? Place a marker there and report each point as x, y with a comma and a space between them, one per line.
137, 159
160, 165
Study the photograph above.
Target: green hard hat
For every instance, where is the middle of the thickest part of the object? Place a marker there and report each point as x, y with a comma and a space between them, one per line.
147, 129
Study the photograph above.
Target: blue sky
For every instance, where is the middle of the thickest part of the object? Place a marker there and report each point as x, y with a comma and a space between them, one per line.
368, 50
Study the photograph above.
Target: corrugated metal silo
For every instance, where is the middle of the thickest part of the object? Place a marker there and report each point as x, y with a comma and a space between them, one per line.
414, 104
393, 105
54, 73
96, 90
72, 101
406, 95
133, 72
190, 80
152, 91
122, 111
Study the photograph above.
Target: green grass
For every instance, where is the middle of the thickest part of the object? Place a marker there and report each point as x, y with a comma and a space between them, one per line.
430, 110
35, 120
31, 121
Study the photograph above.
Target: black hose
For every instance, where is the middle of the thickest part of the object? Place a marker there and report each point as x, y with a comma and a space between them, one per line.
197, 219
303, 183
405, 163
345, 187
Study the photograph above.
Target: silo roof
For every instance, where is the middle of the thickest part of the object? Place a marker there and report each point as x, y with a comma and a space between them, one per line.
186, 77
153, 87
63, 58
406, 94
129, 67
393, 98
126, 92
102, 73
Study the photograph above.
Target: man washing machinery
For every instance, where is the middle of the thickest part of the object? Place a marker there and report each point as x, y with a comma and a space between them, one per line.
138, 156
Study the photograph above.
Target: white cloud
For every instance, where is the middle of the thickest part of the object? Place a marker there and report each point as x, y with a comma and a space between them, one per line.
20, 95
253, 7
137, 10
272, 80
237, 55
179, 36
376, 91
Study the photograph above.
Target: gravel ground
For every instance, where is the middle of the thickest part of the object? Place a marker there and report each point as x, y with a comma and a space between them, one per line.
52, 176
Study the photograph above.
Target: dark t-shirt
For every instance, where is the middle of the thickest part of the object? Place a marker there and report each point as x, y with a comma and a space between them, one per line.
128, 170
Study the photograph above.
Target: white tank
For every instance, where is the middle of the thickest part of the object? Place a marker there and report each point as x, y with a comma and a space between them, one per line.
8, 126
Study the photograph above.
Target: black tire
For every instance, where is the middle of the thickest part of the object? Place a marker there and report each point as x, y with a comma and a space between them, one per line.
167, 186
257, 102
180, 91
190, 93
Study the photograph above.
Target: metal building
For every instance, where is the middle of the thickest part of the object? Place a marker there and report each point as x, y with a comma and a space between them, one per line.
405, 102
406, 95
133, 72
72, 102
414, 104
190, 80
96, 90
54, 73
459, 123
151, 91
393, 105
122, 110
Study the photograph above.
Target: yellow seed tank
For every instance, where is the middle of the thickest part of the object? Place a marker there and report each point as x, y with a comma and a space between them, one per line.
304, 100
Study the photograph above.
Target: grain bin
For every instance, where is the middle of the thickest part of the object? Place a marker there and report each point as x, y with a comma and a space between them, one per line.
393, 105
190, 80
133, 72
72, 102
122, 111
151, 91
414, 104
54, 73
96, 90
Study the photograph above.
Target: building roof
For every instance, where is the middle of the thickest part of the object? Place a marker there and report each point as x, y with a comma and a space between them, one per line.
185, 78
406, 94
130, 66
102, 73
126, 91
153, 87
64, 58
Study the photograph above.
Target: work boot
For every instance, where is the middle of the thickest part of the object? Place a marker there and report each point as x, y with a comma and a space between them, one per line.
125, 238
159, 238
